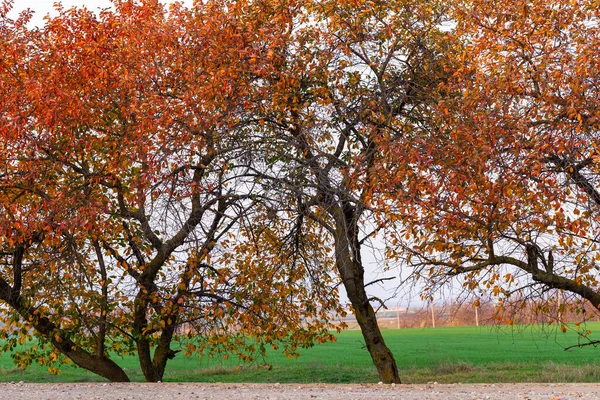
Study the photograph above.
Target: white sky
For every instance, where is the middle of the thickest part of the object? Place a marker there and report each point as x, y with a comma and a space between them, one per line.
44, 7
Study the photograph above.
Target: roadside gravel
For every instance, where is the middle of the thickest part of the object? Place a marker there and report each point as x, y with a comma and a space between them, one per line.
223, 391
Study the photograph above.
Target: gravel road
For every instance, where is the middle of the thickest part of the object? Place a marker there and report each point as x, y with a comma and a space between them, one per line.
180, 391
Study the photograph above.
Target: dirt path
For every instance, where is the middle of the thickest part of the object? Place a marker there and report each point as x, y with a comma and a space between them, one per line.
180, 391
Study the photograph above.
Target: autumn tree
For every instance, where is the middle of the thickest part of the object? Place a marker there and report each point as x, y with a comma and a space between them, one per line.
504, 192
349, 77
127, 216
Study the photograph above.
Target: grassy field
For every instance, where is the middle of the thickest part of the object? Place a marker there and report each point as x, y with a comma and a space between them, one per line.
462, 354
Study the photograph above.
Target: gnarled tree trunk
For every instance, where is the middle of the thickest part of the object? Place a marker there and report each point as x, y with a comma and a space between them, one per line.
98, 364
350, 268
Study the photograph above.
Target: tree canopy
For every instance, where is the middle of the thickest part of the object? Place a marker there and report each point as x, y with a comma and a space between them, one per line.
208, 175
504, 191
127, 221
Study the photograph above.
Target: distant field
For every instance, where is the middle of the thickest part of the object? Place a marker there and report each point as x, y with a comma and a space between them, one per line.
459, 354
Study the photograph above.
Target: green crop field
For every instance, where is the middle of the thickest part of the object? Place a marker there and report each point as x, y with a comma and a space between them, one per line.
462, 354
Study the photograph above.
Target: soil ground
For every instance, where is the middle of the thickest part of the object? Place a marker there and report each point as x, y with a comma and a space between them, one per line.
180, 391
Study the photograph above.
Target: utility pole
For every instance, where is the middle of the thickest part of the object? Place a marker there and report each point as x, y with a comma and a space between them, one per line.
432, 316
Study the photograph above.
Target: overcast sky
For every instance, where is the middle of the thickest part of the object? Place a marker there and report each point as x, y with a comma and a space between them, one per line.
44, 7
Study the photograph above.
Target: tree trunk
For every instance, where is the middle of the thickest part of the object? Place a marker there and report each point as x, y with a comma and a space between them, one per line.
350, 268
380, 354
143, 349
153, 367
348, 261
97, 364
102, 366
163, 352
140, 324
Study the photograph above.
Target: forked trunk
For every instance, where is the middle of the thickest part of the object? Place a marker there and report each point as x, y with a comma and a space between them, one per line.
152, 366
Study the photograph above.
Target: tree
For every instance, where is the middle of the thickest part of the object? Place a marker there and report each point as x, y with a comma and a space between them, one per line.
126, 217
505, 191
349, 77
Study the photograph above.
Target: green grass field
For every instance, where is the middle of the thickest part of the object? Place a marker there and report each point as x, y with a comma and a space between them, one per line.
462, 354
